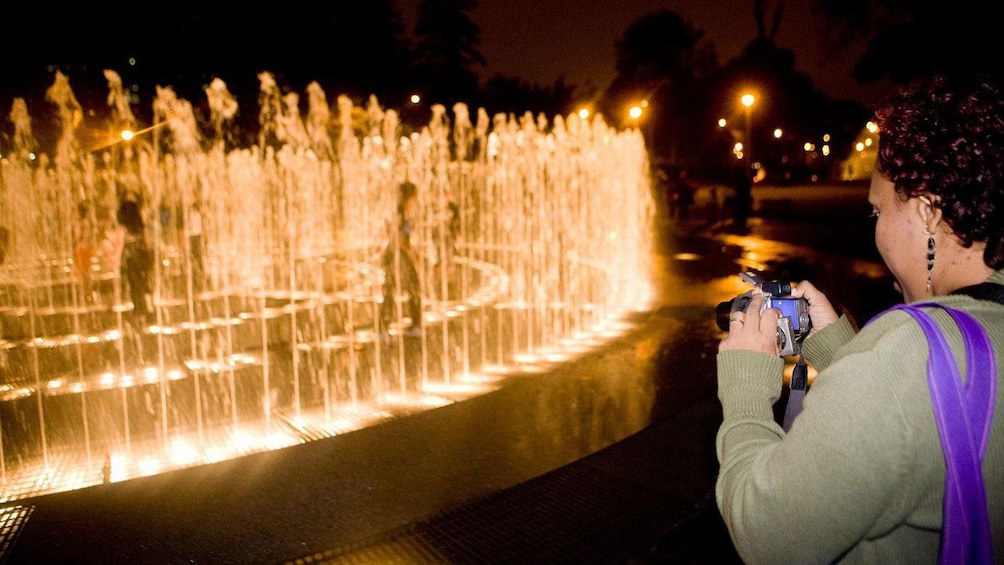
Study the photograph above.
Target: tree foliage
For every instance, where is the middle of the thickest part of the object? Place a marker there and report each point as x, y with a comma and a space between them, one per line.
447, 51
908, 39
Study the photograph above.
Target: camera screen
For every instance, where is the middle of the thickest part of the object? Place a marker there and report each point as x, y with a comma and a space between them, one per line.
789, 309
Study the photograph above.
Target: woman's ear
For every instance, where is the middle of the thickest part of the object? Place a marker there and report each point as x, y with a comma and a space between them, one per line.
930, 213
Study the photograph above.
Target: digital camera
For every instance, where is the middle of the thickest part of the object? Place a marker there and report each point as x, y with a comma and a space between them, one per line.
792, 325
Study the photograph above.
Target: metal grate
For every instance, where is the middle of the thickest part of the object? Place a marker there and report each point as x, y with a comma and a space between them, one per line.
12, 519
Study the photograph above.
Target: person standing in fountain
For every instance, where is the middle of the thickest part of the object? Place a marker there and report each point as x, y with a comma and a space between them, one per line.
196, 245
136, 258
399, 266
83, 251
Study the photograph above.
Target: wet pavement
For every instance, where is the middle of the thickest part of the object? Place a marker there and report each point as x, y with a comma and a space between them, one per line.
606, 459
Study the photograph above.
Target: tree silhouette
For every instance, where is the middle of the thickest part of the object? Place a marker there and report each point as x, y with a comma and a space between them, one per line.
512, 95
661, 59
909, 39
446, 51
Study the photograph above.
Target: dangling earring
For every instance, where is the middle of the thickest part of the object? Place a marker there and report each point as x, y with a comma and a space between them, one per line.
930, 256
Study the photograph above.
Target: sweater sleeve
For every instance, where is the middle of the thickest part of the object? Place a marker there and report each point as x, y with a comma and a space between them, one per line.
809, 495
820, 349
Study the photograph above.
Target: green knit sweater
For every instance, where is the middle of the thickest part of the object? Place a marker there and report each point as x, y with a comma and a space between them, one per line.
860, 476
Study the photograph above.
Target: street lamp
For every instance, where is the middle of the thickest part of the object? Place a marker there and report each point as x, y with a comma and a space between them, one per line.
747, 100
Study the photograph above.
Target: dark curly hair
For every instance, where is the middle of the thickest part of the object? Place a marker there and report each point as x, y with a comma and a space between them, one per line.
943, 136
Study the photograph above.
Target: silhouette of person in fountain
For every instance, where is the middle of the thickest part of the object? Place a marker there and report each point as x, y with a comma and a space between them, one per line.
136, 258
196, 245
84, 236
401, 282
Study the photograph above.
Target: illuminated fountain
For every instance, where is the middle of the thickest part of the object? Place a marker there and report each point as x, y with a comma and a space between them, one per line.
268, 334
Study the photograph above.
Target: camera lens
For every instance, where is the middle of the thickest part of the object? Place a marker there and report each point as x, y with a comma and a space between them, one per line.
723, 312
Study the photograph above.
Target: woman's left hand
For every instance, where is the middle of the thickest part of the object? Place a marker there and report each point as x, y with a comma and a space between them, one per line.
752, 330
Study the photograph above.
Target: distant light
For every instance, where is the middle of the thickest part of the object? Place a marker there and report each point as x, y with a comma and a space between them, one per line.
826, 150
722, 123
635, 112
808, 146
132, 61
826, 137
872, 127
738, 147
127, 135
584, 113
748, 99
778, 133
868, 142
415, 99
859, 146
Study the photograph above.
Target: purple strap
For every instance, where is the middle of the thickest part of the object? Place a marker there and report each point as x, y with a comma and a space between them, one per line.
963, 412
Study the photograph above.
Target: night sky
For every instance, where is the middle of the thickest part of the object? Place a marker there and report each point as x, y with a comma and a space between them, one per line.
538, 41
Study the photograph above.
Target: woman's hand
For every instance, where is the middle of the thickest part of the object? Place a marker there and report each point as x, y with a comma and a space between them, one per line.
752, 330
821, 311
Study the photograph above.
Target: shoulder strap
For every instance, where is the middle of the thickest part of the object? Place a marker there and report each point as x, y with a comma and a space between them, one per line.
963, 413
984, 291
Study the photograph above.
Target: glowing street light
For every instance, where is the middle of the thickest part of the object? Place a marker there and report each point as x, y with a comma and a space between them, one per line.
747, 100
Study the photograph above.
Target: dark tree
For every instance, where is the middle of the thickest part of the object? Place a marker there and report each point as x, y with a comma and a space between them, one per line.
663, 60
511, 95
908, 39
447, 50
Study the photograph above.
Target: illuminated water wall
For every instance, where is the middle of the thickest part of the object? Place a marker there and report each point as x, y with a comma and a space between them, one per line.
278, 328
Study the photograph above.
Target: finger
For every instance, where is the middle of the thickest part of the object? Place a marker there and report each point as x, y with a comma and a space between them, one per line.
768, 320
752, 313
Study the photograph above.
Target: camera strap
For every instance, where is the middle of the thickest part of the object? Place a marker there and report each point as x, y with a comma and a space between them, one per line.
984, 291
796, 390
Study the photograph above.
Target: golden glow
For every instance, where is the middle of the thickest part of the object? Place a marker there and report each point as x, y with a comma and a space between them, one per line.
722, 122
778, 133
748, 99
635, 112
584, 113
149, 466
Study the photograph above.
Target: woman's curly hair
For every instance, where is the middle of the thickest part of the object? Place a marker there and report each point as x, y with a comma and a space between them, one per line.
943, 136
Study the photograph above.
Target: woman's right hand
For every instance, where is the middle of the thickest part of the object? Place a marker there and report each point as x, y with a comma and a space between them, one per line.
821, 312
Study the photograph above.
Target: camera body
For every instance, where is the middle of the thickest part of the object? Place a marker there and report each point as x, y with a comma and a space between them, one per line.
794, 322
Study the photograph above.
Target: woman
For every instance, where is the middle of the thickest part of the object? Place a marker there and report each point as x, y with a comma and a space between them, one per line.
861, 474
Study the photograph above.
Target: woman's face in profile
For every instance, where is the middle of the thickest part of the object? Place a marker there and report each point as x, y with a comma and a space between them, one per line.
900, 237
